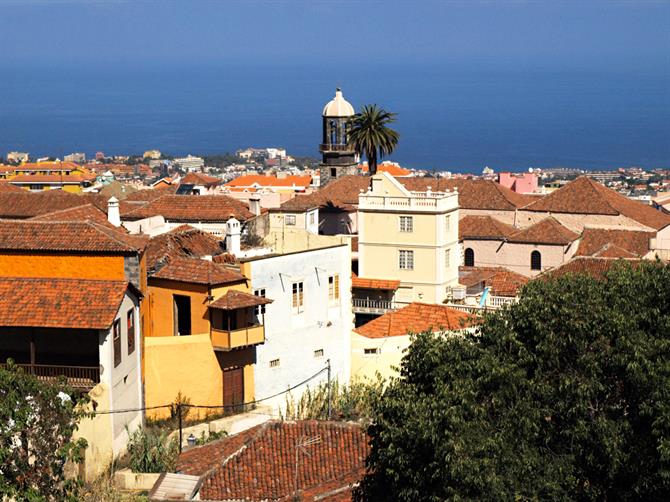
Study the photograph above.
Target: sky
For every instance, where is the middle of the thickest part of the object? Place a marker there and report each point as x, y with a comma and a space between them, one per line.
627, 35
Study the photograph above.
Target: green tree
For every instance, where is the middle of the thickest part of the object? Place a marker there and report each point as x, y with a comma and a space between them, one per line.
370, 135
37, 421
564, 396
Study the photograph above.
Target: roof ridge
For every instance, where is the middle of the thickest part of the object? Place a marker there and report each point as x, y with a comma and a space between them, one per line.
107, 231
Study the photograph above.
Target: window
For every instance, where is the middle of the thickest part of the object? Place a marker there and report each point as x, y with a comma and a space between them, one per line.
274, 363
448, 222
333, 172
406, 259
535, 260
447, 258
130, 320
289, 220
334, 287
371, 352
406, 224
116, 329
298, 298
469, 259
311, 218
318, 353
260, 309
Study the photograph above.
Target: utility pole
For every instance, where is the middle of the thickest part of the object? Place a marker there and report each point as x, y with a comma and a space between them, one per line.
329, 393
179, 418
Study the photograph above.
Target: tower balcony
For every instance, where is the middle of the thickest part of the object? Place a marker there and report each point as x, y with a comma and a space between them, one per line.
328, 147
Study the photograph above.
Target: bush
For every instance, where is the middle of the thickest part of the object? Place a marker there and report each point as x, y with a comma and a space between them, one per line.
151, 450
348, 402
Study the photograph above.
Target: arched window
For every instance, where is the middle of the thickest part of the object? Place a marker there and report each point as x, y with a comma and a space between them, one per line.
469, 257
535, 260
333, 132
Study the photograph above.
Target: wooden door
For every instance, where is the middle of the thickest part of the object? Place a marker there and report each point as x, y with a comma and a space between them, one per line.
233, 389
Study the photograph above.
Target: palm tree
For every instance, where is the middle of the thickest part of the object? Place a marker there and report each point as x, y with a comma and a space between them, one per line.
370, 136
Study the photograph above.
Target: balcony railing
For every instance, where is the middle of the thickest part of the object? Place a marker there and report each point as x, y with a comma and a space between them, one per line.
223, 339
368, 306
79, 377
326, 147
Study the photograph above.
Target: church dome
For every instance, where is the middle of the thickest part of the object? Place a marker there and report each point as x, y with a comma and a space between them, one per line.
338, 106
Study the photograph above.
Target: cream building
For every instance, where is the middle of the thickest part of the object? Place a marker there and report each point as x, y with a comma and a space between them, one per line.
411, 237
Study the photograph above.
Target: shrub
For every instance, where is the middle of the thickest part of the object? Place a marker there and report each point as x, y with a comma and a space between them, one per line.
151, 450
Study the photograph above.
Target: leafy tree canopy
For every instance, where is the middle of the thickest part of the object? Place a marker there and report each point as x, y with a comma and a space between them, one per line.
564, 396
37, 421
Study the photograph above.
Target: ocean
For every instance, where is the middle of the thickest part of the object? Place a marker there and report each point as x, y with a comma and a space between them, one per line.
449, 118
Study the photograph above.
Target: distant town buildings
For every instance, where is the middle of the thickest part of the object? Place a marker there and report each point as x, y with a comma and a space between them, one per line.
17, 157
189, 163
75, 157
152, 154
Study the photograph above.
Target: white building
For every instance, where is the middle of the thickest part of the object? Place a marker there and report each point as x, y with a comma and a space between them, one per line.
17, 157
75, 157
189, 163
309, 322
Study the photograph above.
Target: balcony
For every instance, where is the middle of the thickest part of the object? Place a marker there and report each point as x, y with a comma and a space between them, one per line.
327, 147
372, 306
226, 340
78, 377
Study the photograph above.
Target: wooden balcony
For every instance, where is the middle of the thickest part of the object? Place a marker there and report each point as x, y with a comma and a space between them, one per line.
226, 340
372, 306
78, 377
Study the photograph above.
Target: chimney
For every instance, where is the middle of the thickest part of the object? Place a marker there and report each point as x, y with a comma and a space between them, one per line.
255, 204
233, 236
113, 214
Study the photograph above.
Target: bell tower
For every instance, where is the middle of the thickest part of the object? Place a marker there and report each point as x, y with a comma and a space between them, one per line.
339, 158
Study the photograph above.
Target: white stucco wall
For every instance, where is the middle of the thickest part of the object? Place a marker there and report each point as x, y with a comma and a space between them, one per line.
293, 338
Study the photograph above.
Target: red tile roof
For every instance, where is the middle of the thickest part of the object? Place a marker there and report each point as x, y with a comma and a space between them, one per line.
587, 265
6, 186
60, 303
233, 299
87, 212
587, 196
260, 463
632, 242
183, 241
149, 194
200, 179
25, 204
193, 208
366, 283
414, 318
387, 167
483, 227
339, 195
73, 236
26, 179
502, 281
197, 271
250, 180
472, 194
546, 231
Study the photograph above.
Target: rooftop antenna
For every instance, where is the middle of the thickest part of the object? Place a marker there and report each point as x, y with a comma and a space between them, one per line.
301, 446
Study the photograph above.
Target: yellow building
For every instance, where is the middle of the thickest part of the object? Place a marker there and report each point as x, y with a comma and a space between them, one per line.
50, 175
201, 336
411, 237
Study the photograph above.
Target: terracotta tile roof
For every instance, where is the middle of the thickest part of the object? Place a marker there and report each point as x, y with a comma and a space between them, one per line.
193, 208
387, 167
546, 231
414, 318
59, 303
483, 227
614, 251
196, 271
73, 236
588, 265
232, 300
25, 204
6, 186
338, 195
149, 194
594, 240
366, 283
200, 179
87, 212
50, 165
249, 180
183, 241
587, 196
260, 463
472, 194
502, 281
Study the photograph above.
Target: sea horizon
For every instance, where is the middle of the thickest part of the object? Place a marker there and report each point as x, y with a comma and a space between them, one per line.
451, 117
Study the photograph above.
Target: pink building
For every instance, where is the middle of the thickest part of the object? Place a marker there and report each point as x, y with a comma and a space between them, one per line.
520, 183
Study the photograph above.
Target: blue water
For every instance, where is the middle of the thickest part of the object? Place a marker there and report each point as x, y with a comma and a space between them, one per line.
449, 118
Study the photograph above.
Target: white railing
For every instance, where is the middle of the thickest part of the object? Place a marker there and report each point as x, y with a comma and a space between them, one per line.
368, 305
430, 201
